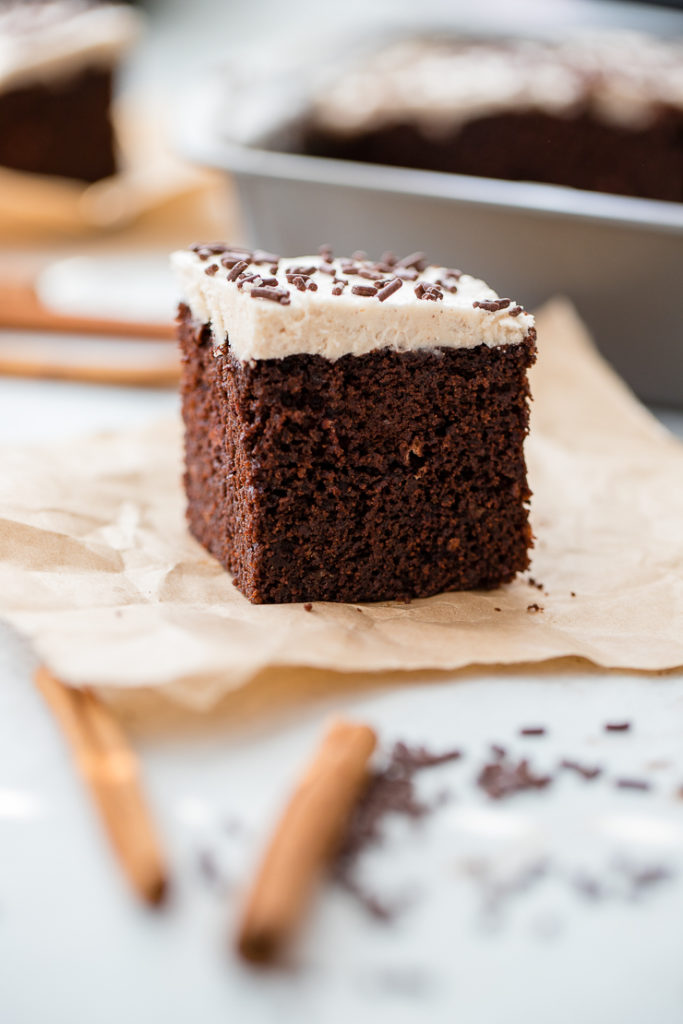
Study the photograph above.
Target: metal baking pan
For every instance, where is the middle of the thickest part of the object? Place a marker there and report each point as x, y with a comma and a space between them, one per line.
619, 259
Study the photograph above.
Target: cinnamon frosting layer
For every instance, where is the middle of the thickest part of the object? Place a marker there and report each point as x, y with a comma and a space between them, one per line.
270, 308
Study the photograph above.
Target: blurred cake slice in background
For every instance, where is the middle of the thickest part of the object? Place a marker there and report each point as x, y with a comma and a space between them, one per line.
602, 111
58, 59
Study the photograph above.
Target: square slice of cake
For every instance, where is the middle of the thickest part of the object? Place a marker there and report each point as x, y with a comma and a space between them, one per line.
57, 63
354, 430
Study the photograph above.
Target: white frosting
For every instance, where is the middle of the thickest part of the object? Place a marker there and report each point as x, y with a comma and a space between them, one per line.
54, 38
624, 78
321, 323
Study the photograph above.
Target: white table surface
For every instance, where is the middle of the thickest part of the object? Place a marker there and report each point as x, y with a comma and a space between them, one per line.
75, 948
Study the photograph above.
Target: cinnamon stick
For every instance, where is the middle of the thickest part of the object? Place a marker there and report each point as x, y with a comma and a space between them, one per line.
110, 768
306, 837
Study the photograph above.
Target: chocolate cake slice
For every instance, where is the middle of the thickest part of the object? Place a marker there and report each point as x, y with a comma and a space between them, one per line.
354, 429
57, 61
601, 111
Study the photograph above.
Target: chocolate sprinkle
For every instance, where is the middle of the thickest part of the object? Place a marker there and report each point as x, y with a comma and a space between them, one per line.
492, 305
640, 784
532, 730
415, 261
389, 289
365, 290
274, 294
211, 270
617, 726
503, 778
583, 770
237, 269
389, 791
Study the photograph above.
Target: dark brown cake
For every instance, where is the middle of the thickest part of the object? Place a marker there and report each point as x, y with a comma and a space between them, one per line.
56, 89
605, 115
387, 474
60, 129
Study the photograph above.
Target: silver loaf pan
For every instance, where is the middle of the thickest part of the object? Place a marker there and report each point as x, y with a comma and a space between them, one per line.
619, 259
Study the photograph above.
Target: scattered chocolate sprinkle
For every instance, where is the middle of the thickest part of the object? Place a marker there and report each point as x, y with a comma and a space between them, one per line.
515, 311
298, 281
370, 275
259, 256
583, 770
503, 778
498, 751
237, 269
273, 269
641, 784
337, 291
253, 279
534, 607
447, 285
360, 256
389, 289
406, 273
308, 607
229, 261
280, 295
617, 726
389, 791
428, 292
492, 305
326, 253
211, 270
363, 289
415, 261
412, 759
325, 268
532, 730
303, 271
388, 258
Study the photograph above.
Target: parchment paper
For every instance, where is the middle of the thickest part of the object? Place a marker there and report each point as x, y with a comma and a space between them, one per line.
96, 565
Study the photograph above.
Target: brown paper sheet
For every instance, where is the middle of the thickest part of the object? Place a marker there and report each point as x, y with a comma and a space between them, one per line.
97, 568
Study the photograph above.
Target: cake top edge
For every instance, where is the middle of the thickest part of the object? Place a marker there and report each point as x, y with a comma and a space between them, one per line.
263, 306
623, 77
42, 39
393, 280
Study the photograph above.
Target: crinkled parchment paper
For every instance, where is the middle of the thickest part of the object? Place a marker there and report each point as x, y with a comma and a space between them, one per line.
97, 568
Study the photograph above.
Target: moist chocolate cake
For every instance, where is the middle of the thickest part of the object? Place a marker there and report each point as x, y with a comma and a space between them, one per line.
602, 112
57, 59
353, 429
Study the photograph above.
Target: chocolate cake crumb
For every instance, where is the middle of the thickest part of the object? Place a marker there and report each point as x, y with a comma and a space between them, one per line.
534, 583
308, 607
617, 726
584, 771
534, 607
503, 778
572, 594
